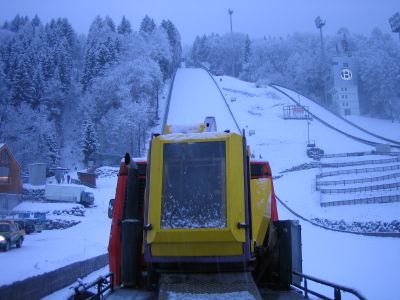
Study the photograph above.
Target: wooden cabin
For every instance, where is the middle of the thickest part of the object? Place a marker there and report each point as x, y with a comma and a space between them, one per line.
10, 172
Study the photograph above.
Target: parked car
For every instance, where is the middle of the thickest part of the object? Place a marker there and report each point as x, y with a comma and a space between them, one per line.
27, 225
11, 233
30, 225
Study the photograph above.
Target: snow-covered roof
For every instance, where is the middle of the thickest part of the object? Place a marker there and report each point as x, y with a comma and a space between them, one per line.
1, 145
177, 137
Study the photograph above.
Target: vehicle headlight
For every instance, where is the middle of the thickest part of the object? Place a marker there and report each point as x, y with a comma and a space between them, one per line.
2, 239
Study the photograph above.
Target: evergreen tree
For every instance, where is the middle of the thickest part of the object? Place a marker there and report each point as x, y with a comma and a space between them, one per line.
110, 23
36, 21
124, 27
21, 85
89, 140
147, 25
247, 47
17, 23
175, 44
101, 49
53, 149
37, 90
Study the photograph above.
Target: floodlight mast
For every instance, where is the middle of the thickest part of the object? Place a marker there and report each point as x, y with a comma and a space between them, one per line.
394, 22
230, 12
319, 24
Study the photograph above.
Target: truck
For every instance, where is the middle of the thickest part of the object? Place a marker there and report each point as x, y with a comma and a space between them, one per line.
68, 193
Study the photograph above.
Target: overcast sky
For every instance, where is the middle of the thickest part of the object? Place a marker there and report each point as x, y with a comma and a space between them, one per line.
258, 18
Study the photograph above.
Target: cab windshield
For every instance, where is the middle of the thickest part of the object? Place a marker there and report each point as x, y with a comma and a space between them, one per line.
194, 180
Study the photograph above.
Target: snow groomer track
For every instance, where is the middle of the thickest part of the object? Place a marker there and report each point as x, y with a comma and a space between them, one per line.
194, 97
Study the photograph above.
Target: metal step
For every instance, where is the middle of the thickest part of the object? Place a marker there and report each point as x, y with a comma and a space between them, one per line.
208, 286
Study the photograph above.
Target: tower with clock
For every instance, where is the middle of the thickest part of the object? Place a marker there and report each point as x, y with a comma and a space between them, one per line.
343, 91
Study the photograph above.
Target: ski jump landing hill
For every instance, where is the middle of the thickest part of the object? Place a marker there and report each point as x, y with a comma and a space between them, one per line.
336, 122
194, 97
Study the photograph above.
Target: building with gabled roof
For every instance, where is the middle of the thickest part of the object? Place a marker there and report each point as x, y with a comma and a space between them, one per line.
10, 172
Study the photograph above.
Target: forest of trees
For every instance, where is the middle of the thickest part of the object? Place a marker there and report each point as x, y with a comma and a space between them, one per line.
296, 62
65, 97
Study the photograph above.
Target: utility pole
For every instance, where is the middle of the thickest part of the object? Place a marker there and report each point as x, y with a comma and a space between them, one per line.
230, 12
319, 24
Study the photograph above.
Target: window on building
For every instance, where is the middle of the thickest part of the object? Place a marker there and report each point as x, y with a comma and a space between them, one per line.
5, 165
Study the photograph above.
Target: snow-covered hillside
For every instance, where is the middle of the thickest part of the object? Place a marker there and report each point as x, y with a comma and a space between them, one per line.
369, 264
51, 249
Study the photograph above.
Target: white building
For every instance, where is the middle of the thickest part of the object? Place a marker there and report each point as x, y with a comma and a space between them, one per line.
343, 92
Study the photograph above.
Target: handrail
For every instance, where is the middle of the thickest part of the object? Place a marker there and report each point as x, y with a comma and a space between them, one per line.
337, 288
103, 283
168, 103
222, 95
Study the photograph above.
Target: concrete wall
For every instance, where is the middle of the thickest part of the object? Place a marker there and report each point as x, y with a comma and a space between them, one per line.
42, 285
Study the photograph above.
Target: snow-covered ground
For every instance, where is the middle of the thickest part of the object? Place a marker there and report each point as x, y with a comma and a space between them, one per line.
378, 126
51, 249
192, 101
369, 264
333, 120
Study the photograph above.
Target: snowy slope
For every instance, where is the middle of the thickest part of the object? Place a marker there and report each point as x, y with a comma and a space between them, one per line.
194, 97
331, 118
369, 264
377, 126
51, 249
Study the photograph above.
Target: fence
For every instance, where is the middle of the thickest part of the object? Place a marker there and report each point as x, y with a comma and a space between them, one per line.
168, 103
347, 154
358, 171
222, 95
352, 154
361, 162
370, 200
354, 181
296, 112
369, 188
